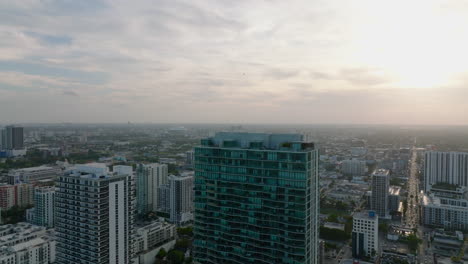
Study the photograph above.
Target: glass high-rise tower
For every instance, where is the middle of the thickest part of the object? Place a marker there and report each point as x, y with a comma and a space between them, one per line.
256, 199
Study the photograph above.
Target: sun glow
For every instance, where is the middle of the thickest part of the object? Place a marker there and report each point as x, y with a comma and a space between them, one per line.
414, 42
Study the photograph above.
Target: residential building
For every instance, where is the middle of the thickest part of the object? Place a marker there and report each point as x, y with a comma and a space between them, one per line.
445, 167
365, 235
12, 137
379, 187
256, 199
33, 174
446, 208
26, 244
94, 215
43, 213
181, 199
18, 194
7, 196
149, 178
24, 194
353, 167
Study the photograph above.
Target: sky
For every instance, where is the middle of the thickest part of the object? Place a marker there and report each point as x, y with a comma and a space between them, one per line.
242, 61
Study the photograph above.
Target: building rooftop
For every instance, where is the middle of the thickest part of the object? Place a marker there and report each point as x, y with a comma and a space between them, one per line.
97, 171
381, 172
286, 142
371, 215
394, 190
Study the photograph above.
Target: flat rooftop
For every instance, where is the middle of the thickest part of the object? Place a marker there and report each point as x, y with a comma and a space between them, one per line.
286, 142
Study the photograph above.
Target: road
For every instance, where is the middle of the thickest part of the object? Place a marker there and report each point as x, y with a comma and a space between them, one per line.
412, 212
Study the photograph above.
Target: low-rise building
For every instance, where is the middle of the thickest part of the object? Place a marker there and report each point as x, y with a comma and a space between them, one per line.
153, 235
33, 174
26, 244
447, 243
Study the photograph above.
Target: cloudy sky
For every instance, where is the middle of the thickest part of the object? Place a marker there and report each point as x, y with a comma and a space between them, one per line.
234, 61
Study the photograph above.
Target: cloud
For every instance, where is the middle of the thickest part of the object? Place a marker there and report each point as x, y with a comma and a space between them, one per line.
207, 61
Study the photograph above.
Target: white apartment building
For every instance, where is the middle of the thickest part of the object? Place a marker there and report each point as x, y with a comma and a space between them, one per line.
94, 215
365, 235
24, 243
445, 167
33, 174
446, 208
181, 199
153, 235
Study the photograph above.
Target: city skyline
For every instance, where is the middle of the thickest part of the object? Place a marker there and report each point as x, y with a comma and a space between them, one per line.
236, 62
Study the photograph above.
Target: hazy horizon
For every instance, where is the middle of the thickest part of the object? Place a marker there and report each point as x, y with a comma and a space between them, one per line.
234, 62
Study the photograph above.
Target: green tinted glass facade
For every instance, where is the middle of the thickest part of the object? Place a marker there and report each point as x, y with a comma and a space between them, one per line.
256, 201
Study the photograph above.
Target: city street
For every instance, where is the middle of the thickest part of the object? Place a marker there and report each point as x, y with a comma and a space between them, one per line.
412, 213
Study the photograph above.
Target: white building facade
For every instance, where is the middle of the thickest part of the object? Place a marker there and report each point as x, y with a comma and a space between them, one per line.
445, 167
365, 235
94, 215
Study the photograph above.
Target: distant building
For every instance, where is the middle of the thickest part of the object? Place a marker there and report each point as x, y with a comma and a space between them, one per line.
353, 167
380, 185
358, 151
149, 177
94, 215
189, 158
164, 198
33, 174
12, 137
43, 212
445, 167
365, 235
394, 198
26, 244
181, 199
256, 199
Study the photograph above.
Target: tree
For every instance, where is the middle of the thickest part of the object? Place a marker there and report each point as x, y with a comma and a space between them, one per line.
413, 241
333, 234
185, 231
383, 227
161, 254
333, 218
175, 257
182, 244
